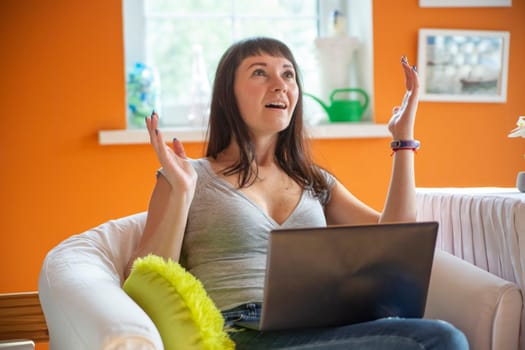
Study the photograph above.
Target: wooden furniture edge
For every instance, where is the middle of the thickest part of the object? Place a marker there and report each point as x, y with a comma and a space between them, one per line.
21, 317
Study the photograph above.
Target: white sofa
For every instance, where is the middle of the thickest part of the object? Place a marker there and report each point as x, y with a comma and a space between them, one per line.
86, 308
482, 225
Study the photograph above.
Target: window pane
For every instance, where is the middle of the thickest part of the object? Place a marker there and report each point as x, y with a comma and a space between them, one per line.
186, 7
173, 28
270, 8
169, 47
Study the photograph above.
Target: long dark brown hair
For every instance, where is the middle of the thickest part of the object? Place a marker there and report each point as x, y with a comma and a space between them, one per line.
292, 151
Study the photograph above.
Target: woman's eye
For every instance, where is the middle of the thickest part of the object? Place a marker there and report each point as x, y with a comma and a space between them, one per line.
259, 72
289, 74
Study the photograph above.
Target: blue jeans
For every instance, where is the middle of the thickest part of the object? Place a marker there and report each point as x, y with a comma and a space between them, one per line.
386, 333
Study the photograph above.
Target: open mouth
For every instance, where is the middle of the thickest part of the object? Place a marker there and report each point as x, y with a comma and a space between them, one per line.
276, 105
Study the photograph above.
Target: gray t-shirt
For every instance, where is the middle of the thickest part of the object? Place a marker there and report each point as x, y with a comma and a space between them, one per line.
227, 235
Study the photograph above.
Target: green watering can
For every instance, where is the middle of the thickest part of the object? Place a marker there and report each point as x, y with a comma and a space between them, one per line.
341, 110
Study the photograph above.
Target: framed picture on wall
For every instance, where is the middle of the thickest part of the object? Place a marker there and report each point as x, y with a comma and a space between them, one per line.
463, 65
465, 3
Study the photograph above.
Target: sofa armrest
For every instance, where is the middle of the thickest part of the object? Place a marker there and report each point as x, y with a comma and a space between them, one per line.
81, 295
485, 307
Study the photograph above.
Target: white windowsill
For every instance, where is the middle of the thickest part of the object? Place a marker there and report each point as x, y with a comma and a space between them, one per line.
323, 131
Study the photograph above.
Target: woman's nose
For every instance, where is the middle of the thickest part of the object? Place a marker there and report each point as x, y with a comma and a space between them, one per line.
279, 85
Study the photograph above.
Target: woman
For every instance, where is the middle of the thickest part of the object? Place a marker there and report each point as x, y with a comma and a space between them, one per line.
214, 214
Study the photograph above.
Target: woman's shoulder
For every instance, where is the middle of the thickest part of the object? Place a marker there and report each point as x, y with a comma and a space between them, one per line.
201, 166
329, 177
197, 161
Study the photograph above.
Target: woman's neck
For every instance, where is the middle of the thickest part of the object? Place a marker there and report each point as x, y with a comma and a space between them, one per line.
264, 153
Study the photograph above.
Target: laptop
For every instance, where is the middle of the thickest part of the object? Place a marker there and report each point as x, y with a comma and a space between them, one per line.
340, 275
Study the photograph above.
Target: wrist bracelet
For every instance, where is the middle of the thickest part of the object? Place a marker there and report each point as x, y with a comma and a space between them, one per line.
405, 145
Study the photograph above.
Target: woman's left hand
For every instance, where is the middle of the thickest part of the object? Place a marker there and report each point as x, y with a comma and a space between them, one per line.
401, 124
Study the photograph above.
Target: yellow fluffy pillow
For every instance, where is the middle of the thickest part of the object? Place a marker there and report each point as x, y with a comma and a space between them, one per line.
177, 303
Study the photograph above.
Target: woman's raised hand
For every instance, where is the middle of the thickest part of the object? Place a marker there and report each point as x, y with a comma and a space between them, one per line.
401, 124
177, 170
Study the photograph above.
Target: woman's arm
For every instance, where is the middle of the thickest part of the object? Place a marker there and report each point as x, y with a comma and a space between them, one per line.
400, 204
170, 200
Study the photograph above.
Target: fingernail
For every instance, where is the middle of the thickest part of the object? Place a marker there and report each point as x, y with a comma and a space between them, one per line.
156, 131
404, 59
152, 113
414, 68
174, 139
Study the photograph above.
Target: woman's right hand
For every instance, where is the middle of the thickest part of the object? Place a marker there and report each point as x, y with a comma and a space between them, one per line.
170, 201
176, 168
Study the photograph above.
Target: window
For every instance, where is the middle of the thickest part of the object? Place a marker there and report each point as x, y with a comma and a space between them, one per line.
168, 36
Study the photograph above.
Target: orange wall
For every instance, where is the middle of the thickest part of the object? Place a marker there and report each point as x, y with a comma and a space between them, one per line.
62, 81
